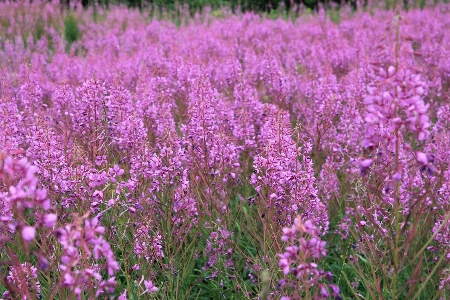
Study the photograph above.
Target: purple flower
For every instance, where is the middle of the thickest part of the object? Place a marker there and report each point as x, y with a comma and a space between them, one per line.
284, 264
149, 287
365, 165
123, 296
300, 259
98, 195
21, 277
28, 233
422, 158
50, 220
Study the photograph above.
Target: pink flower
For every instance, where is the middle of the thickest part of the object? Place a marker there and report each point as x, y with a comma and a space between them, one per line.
123, 296
397, 176
28, 233
68, 279
149, 287
391, 71
422, 158
98, 195
50, 220
366, 163
284, 264
114, 172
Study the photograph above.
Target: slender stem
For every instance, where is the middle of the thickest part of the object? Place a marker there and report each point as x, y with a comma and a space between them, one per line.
397, 223
397, 183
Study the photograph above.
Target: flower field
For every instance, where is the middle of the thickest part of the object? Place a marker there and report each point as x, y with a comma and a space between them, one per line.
224, 156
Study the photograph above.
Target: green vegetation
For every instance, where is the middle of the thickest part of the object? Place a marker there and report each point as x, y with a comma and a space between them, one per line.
71, 30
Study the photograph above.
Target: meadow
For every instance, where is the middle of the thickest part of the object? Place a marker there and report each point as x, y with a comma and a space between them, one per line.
224, 155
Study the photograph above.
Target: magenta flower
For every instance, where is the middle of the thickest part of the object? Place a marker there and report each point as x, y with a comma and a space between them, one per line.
50, 220
21, 277
298, 262
80, 243
422, 158
28, 233
149, 287
123, 296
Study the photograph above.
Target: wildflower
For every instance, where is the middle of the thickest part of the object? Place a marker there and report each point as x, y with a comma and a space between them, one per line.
365, 165
149, 287
21, 277
123, 296
50, 220
422, 158
28, 233
289, 184
76, 240
298, 260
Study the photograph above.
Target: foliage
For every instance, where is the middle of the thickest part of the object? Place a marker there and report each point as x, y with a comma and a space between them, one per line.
71, 31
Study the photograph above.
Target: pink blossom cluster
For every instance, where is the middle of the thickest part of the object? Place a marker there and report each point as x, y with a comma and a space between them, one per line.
20, 277
300, 261
284, 174
76, 271
220, 253
405, 92
20, 192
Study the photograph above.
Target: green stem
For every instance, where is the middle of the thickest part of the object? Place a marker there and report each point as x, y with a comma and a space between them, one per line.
397, 183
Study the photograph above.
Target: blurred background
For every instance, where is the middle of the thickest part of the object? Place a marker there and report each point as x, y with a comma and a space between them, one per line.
254, 5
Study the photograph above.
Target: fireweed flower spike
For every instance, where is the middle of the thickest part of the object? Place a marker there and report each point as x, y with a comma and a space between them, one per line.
19, 194
395, 104
287, 183
299, 263
21, 277
79, 243
393, 202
